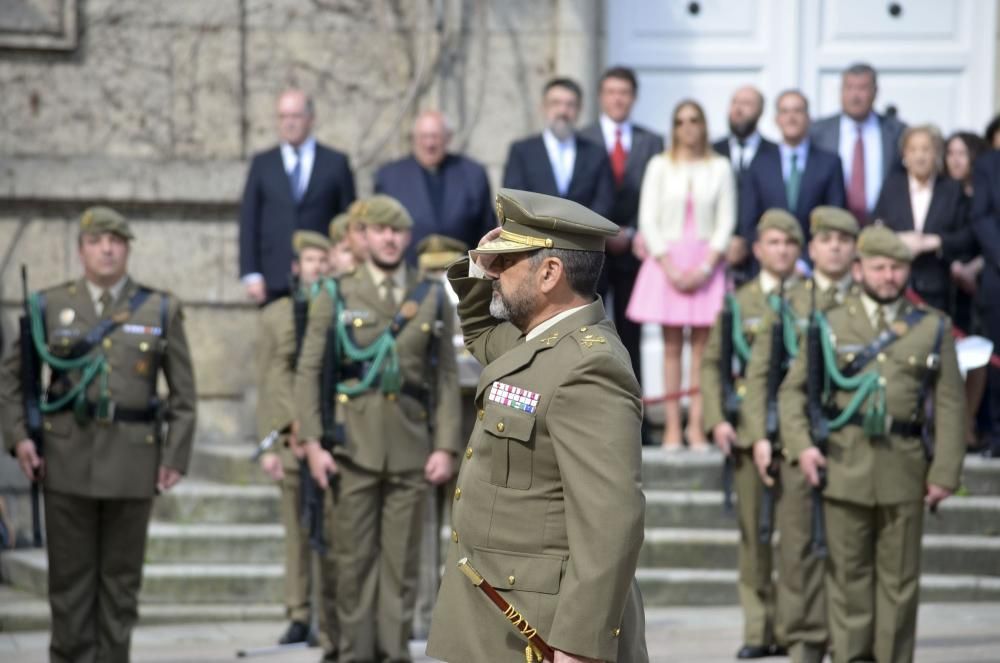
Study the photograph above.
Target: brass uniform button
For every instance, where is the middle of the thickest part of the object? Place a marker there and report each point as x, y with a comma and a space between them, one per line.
47, 425
343, 398
468, 453
390, 397
500, 427
149, 439
426, 327
882, 381
583, 329
510, 580
912, 360
741, 390
106, 343
144, 347
850, 356
615, 632
881, 357
358, 323
481, 414
454, 536
458, 494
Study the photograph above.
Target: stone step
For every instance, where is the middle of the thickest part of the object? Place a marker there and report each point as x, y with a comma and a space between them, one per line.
214, 543
703, 471
972, 515
228, 463
718, 549
200, 501
21, 611
167, 583
672, 587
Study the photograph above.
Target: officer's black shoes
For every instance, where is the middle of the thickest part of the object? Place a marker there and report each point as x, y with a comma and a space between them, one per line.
760, 651
297, 632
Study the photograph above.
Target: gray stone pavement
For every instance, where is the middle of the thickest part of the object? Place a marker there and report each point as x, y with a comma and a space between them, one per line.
952, 633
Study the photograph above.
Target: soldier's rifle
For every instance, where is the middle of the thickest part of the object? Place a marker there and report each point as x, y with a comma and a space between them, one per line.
730, 399
819, 427
31, 390
777, 365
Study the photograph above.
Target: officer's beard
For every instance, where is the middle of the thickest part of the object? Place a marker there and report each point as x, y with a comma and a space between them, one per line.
743, 129
881, 299
517, 308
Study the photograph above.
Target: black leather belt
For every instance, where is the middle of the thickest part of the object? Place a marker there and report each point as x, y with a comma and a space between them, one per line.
121, 414
901, 428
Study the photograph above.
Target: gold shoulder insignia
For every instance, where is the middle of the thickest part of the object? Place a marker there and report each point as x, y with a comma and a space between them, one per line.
550, 339
589, 341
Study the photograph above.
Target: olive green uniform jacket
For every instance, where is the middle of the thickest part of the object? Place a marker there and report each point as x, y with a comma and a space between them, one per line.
548, 506
118, 460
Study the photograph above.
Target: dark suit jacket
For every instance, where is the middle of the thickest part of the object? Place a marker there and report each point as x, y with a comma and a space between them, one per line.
763, 187
986, 208
269, 214
930, 274
528, 168
722, 147
466, 207
825, 134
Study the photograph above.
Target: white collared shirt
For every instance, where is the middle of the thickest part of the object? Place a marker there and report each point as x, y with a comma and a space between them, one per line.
96, 291
307, 154
541, 327
749, 150
871, 138
920, 201
801, 152
562, 157
608, 127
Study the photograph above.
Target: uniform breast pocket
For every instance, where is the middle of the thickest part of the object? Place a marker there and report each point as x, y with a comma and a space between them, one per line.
509, 434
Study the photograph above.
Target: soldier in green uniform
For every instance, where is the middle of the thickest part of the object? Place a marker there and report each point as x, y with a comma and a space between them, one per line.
548, 506
882, 358
801, 602
106, 339
397, 402
279, 338
779, 241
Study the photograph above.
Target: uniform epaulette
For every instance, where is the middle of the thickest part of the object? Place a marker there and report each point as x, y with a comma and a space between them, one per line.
589, 338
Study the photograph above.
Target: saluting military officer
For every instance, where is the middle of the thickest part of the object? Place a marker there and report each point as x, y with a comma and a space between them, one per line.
279, 338
105, 338
398, 403
880, 469
801, 602
779, 241
548, 506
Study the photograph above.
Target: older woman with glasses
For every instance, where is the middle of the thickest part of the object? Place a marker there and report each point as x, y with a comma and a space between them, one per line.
687, 213
929, 211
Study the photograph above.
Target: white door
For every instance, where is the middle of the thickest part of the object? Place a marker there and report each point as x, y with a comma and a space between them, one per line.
935, 60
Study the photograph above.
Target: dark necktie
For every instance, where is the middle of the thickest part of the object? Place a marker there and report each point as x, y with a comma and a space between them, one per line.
389, 293
881, 325
793, 184
857, 203
618, 158
295, 177
105, 300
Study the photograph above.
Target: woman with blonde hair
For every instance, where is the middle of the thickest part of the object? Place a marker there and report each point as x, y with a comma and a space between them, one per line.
687, 213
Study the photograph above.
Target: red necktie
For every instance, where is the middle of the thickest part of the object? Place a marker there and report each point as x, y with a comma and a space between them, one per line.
856, 201
618, 157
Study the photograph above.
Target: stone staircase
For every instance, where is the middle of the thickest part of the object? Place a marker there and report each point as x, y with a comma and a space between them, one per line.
215, 543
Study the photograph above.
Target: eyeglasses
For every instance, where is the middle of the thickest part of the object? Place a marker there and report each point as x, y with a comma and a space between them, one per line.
686, 120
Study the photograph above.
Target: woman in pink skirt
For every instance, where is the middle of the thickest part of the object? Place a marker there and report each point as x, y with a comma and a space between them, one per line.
687, 213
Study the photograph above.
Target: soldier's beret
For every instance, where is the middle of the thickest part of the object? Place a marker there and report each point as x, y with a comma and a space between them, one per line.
827, 217
100, 219
879, 241
338, 227
779, 219
309, 239
438, 251
380, 210
531, 221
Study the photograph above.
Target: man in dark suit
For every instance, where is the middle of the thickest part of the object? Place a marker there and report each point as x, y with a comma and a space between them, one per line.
986, 225
297, 185
794, 175
741, 147
558, 162
447, 194
867, 143
629, 148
